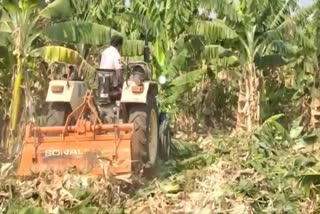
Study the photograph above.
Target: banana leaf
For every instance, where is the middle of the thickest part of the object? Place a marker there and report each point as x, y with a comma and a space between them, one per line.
58, 9
61, 54
80, 32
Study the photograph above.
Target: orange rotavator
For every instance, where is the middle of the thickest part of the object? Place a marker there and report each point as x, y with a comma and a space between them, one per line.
88, 145
114, 129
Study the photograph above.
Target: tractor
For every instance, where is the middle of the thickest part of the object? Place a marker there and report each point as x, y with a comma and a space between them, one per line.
118, 130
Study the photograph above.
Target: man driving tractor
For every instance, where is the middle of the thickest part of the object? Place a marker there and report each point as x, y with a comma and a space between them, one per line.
111, 60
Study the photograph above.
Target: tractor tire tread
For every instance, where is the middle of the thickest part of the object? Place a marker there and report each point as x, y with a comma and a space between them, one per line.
139, 115
57, 114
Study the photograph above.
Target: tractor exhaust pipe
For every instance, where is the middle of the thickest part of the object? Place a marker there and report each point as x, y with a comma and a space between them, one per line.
146, 51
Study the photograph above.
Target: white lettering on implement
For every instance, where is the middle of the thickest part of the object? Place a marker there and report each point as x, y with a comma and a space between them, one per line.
60, 152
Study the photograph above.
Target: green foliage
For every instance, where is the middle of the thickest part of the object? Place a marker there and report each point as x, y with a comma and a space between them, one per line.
80, 32
52, 54
182, 149
58, 10
273, 134
17, 206
277, 99
223, 8
32, 211
4, 38
133, 48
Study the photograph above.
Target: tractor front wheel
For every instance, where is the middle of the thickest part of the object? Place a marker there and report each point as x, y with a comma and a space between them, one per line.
164, 137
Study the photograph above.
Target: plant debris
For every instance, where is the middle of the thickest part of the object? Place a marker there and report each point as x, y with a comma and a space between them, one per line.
214, 174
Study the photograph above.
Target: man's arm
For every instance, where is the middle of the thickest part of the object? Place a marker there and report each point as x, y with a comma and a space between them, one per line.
103, 60
118, 69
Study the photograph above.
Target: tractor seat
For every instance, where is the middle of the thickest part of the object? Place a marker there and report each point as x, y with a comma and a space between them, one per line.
109, 87
108, 75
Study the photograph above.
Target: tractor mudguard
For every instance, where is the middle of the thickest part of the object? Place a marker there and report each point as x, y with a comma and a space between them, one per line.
131, 93
62, 91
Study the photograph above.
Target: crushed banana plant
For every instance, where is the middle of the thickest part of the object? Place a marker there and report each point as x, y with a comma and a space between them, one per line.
54, 193
263, 173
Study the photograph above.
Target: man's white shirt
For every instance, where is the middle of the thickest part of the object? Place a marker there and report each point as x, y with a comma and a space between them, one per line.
110, 59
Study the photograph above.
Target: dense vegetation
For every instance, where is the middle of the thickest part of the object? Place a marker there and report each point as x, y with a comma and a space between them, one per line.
245, 66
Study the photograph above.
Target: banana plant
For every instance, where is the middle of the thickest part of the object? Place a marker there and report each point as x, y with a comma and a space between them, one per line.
301, 53
19, 19
250, 30
59, 54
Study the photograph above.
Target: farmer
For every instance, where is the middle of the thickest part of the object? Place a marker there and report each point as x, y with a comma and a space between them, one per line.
111, 60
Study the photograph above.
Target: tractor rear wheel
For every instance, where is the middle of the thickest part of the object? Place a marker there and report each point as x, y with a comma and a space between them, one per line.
58, 113
145, 136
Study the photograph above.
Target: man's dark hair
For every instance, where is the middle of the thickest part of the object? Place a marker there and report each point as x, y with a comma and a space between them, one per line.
116, 41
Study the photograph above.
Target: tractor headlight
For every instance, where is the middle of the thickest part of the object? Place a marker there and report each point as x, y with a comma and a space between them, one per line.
162, 79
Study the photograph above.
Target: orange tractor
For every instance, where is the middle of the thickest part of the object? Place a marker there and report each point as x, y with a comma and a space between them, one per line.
118, 130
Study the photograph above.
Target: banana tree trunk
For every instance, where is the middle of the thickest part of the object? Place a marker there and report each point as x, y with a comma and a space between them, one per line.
314, 122
248, 115
16, 100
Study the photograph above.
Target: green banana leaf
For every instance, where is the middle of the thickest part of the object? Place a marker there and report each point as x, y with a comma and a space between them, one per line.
61, 54
58, 9
80, 32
